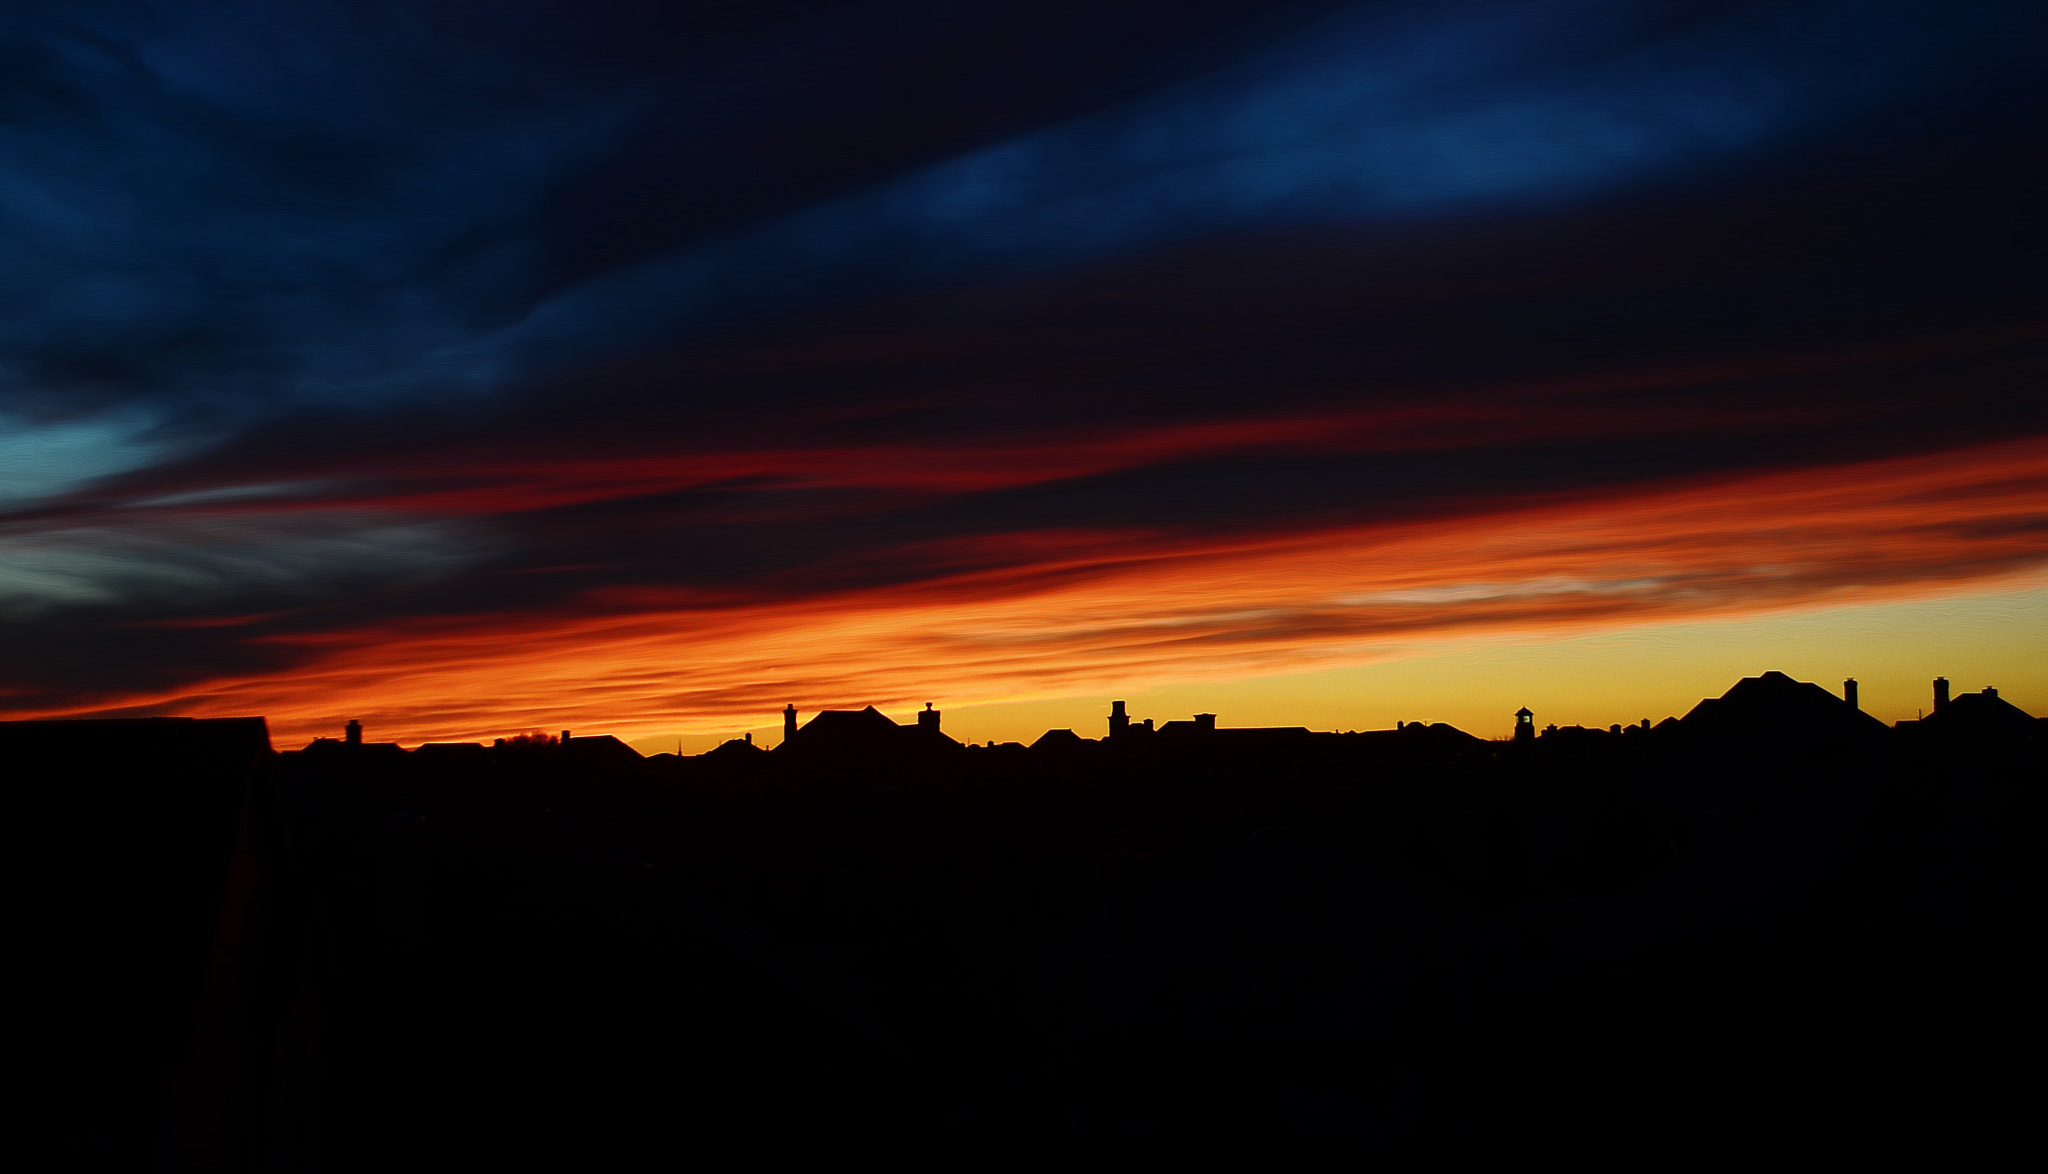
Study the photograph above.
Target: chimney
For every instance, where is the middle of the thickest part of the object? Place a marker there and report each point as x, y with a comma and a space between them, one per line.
565, 737
1119, 721
928, 719
750, 737
1148, 725
1940, 694
1205, 722
1990, 692
353, 733
789, 722
1849, 693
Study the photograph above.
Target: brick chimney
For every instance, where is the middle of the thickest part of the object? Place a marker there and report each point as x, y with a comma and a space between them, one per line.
1849, 693
353, 732
1940, 694
928, 719
789, 722
1119, 721
1205, 722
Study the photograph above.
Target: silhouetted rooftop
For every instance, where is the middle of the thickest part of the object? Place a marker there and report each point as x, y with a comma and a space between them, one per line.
1774, 707
1059, 740
1983, 714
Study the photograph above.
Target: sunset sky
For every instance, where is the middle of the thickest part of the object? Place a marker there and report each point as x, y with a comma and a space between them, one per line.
478, 366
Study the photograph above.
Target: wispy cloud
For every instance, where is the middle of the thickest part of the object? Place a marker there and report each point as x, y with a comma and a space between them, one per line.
1088, 616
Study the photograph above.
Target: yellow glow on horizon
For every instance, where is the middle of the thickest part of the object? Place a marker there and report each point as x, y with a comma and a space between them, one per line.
1654, 671
1588, 609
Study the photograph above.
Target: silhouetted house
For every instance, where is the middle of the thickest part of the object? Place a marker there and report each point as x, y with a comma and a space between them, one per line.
734, 749
1121, 726
155, 949
865, 734
350, 748
602, 752
450, 755
1776, 710
1060, 741
1413, 741
1119, 719
1974, 717
926, 736
1576, 735
1202, 730
432, 765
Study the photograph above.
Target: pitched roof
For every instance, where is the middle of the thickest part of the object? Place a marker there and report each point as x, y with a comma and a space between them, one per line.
1981, 714
1775, 707
843, 730
734, 748
605, 749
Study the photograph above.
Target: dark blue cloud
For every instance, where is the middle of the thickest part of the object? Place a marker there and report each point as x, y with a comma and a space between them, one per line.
223, 211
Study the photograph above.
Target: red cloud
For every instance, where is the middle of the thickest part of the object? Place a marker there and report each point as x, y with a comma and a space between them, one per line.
1083, 610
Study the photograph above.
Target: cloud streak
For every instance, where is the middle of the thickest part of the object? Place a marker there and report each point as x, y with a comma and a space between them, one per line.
648, 368
1093, 611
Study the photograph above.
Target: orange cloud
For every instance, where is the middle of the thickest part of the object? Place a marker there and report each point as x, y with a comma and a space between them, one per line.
1086, 611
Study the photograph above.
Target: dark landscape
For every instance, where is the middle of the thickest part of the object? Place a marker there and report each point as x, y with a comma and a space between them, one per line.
1772, 926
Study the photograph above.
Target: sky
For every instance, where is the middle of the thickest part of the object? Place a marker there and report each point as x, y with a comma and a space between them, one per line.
470, 368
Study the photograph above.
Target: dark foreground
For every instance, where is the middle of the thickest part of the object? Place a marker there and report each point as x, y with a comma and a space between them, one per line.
1645, 949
